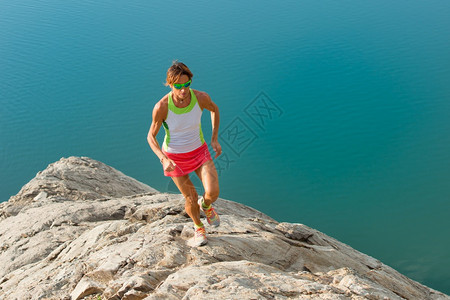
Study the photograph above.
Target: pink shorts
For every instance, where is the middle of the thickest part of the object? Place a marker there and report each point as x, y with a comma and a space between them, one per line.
188, 162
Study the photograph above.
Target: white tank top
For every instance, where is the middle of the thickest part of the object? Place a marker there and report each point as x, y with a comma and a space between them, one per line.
183, 127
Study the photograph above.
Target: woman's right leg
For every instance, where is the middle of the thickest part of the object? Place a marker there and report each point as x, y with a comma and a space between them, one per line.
187, 188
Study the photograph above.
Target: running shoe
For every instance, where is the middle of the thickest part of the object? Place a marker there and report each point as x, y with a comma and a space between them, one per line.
199, 237
211, 216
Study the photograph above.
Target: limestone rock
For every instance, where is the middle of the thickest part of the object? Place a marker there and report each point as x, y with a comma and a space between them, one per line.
93, 232
77, 178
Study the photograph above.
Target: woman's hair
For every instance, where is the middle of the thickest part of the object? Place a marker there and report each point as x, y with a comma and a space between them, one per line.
176, 70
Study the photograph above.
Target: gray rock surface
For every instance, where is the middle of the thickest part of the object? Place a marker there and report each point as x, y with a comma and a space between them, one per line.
82, 229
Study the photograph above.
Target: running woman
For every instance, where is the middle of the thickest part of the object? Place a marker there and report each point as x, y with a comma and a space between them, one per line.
184, 149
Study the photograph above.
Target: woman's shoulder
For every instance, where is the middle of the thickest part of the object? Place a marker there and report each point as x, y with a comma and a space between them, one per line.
164, 101
161, 107
201, 96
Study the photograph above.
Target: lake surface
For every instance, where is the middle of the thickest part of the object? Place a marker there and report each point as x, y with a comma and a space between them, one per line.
333, 114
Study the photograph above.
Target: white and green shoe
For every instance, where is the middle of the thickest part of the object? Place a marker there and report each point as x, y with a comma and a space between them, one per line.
211, 216
199, 237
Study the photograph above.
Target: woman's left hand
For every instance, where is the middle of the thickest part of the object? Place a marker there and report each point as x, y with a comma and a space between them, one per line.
216, 147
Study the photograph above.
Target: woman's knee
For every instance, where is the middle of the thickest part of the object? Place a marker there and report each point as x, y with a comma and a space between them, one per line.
212, 194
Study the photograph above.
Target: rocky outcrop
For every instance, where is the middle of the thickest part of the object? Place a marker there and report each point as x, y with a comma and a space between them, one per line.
81, 230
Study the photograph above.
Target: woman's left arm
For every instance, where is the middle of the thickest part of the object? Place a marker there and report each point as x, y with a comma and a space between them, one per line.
205, 102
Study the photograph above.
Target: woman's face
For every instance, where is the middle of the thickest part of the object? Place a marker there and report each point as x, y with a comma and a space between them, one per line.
182, 93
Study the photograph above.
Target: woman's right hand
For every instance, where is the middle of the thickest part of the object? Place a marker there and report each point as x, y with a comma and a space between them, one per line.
168, 164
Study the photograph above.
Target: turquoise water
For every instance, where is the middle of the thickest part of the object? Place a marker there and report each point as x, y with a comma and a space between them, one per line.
333, 114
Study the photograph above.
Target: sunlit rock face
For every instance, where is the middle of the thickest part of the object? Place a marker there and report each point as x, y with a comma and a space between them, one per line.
81, 229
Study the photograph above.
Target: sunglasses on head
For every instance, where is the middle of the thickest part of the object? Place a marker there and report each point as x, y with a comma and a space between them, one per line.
179, 86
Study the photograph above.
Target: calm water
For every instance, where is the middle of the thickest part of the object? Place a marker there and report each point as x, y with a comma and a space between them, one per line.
333, 114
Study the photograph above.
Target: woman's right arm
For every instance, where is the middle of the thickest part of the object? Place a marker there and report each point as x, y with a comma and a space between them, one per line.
158, 115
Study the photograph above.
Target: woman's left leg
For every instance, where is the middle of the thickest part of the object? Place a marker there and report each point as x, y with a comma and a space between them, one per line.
210, 180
